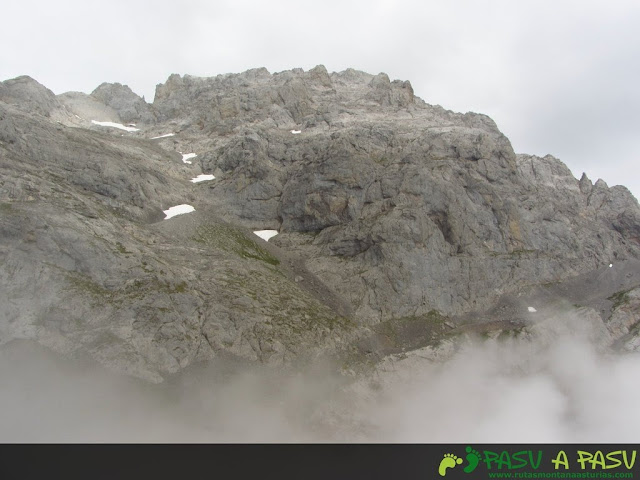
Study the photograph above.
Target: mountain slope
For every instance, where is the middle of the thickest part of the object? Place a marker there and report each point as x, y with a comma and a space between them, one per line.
390, 212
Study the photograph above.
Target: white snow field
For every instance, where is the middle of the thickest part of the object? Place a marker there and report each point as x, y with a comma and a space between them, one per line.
266, 234
178, 210
202, 178
115, 125
163, 136
187, 156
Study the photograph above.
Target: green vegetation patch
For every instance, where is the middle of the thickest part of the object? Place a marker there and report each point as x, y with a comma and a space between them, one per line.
619, 298
513, 333
522, 251
10, 210
138, 289
380, 159
517, 253
121, 248
84, 284
408, 333
232, 240
294, 315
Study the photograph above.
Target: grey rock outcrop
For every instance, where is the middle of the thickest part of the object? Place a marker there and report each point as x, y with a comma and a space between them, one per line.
28, 95
88, 270
390, 211
85, 108
130, 107
624, 322
414, 200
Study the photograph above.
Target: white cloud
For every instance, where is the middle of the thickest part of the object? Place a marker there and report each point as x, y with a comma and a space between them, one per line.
557, 391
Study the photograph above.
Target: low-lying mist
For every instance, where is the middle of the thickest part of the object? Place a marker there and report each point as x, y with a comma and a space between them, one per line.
556, 386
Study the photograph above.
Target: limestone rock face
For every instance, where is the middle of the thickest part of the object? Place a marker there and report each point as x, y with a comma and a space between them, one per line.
624, 323
86, 108
90, 268
28, 95
130, 107
388, 210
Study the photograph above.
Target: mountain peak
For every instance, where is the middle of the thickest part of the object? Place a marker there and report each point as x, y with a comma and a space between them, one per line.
28, 94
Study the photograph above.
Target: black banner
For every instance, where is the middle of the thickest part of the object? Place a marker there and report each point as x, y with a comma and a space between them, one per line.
325, 461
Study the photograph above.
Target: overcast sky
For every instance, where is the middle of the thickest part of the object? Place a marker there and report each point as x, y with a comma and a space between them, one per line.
558, 76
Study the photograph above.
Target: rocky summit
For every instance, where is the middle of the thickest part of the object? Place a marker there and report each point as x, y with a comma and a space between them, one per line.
399, 224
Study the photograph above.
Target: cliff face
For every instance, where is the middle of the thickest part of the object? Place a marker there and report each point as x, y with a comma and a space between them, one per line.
389, 210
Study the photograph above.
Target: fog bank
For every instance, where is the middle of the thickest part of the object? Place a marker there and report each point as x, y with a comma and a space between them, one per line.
556, 387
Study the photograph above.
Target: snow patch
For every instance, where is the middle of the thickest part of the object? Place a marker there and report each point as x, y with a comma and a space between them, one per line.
610, 265
266, 234
531, 310
295, 132
202, 178
163, 136
187, 156
115, 125
178, 210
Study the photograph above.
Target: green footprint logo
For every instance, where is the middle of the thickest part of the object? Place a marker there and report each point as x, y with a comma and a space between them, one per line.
449, 461
473, 457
